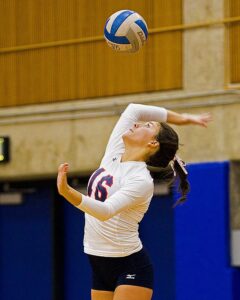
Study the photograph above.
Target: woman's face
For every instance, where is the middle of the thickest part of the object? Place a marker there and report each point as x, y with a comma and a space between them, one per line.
142, 133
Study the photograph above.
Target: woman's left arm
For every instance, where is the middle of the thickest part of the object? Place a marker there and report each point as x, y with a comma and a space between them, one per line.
186, 119
64, 189
135, 192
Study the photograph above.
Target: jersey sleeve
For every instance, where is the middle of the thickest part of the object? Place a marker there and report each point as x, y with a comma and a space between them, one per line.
132, 114
133, 193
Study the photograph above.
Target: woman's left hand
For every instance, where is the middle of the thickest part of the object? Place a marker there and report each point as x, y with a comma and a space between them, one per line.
62, 184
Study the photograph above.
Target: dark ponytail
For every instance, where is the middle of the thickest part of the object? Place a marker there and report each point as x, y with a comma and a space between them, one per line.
181, 173
172, 167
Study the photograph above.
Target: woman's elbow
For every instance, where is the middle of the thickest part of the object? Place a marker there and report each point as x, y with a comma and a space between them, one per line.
104, 217
106, 213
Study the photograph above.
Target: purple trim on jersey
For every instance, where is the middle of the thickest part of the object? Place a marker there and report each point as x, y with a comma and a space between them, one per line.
93, 177
101, 192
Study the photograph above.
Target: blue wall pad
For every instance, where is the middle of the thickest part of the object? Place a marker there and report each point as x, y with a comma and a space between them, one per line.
26, 266
202, 267
157, 235
77, 280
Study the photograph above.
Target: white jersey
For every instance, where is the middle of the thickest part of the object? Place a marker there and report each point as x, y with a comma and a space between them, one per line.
119, 193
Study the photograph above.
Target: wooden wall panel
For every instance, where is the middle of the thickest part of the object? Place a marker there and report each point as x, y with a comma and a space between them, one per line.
84, 70
234, 43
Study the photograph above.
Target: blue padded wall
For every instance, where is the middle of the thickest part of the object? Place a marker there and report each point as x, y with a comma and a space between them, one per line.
202, 267
77, 279
157, 235
26, 266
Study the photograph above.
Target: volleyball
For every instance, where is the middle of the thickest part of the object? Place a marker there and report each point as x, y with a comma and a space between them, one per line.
125, 31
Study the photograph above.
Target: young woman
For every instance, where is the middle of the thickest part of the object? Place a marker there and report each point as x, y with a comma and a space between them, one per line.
119, 194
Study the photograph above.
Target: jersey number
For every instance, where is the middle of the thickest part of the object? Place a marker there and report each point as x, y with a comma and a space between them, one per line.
101, 192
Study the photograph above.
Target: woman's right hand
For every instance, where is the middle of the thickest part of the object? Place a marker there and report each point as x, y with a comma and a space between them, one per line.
202, 119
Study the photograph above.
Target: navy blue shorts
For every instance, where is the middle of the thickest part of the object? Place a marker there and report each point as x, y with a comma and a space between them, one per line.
110, 272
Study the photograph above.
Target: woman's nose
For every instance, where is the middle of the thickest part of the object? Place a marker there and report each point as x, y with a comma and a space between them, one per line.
136, 125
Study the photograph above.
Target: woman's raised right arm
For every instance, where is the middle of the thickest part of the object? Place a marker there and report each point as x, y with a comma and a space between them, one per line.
132, 114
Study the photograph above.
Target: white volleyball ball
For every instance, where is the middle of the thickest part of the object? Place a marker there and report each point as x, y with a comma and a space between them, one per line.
126, 31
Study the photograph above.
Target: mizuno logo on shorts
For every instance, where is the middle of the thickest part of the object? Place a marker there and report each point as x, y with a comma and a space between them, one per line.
130, 276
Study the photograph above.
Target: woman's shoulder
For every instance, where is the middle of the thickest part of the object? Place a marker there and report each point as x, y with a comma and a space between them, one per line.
141, 185
140, 176
138, 169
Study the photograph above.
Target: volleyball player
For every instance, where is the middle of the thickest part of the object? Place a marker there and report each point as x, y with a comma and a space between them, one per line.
119, 194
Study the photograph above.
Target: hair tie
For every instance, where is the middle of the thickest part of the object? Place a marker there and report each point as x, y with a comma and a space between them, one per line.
181, 163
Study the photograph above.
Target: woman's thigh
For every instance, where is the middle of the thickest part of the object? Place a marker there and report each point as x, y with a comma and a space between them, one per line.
101, 295
132, 292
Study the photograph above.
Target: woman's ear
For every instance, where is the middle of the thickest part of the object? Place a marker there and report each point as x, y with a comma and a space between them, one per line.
154, 144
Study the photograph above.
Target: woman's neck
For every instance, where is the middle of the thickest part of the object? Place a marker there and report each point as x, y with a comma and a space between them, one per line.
133, 155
